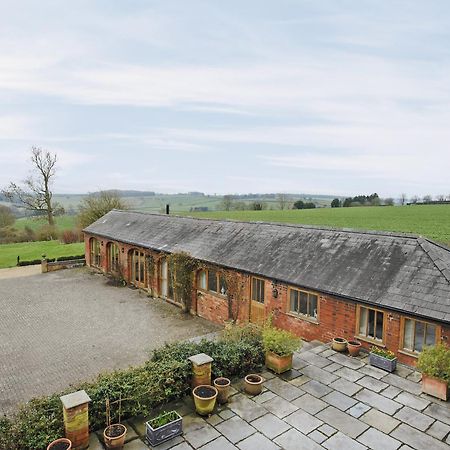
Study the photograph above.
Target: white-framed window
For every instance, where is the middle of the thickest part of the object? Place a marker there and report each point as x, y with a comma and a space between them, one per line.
303, 303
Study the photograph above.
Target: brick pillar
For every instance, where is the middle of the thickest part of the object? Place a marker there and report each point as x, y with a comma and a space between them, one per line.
76, 421
201, 365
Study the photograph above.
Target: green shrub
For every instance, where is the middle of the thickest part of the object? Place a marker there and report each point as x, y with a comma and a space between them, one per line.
435, 362
165, 377
280, 342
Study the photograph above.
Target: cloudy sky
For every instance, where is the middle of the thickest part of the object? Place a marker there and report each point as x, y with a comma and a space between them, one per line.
338, 97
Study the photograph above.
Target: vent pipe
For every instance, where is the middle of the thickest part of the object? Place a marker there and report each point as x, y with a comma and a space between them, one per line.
167, 209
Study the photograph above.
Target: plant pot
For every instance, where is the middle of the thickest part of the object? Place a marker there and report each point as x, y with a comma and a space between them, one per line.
60, 444
435, 386
277, 363
205, 399
253, 384
339, 344
156, 436
222, 385
353, 347
382, 363
114, 436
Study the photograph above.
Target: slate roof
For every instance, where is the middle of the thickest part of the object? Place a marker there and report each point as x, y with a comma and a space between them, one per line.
398, 271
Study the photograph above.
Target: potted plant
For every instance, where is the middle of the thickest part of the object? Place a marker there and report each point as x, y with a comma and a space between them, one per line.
114, 434
279, 346
205, 399
60, 444
434, 363
222, 385
163, 427
383, 359
353, 347
339, 344
253, 384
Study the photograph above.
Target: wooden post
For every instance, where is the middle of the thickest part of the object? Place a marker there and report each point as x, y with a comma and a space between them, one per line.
76, 419
201, 365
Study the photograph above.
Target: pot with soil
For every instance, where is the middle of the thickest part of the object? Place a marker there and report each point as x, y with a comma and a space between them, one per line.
353, 347
253, 384
205, 399
222, 385
114, 436
339, 344
60, 444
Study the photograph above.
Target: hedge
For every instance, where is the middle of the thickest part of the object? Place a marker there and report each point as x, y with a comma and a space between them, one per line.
163, 378
38, 261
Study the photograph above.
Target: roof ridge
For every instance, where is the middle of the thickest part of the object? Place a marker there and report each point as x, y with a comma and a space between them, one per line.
285, 224
444, 271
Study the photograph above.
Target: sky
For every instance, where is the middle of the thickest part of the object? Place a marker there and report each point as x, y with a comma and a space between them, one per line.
320, 97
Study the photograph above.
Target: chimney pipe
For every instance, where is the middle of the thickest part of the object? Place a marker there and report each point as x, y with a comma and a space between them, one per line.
167, 209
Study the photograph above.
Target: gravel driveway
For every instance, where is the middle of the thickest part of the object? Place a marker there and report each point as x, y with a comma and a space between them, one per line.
63, 327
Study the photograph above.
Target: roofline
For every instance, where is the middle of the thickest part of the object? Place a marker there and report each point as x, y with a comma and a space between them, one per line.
334, 294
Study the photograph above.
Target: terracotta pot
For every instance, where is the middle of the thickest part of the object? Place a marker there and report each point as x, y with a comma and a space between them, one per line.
116, 442
53, 444
435, 386
353, 347
205, 399
222, 385
277, 363
339, 344
253, 384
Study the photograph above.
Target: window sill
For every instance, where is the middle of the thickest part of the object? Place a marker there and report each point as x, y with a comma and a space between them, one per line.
214, 294
408, 353
305, 318
371, 341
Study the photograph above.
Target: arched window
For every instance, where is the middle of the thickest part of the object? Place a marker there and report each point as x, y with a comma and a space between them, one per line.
95, 256
137, 266
113, 257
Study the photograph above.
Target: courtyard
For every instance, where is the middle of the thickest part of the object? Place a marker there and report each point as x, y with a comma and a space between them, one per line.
59, 328
328, 401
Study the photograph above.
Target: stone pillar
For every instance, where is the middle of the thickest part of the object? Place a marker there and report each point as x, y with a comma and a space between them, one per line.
201, 365
76, 421
44, 266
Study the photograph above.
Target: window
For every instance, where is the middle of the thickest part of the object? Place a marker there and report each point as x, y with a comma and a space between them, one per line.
138, 268
113, 257
258, 290
213, 281
418, 334
371, 323
166, 279
95, 253
303, 303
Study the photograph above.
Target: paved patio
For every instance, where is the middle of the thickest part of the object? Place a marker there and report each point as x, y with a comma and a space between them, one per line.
328, 401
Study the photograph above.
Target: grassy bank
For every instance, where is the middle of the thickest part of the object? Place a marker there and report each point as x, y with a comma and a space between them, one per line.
62, 222
431, 221
35, 250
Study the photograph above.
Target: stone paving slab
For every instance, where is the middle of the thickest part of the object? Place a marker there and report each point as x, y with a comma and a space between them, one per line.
414, 418
340, 441
377, 440
294, 440
380, 420
257, 441
417, 439
343, 422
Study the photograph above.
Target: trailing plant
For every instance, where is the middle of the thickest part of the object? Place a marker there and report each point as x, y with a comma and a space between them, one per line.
435, 362
182, 266
280, 342
382, 352
235, 294
163, 419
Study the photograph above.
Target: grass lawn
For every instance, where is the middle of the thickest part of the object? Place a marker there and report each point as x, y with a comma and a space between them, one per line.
431, 221
62, 222
35, 250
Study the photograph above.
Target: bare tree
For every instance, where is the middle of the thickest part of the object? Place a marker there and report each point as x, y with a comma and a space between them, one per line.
282, 200
227, 202
440, 197
36, 195
402, 198
415, 199
6, 217
97, 205
427, 198
389, 201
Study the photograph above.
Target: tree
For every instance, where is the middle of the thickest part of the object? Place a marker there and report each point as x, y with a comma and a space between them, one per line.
6, 217
440, 198
299, 204
257, 206
415, 199
282, 200
402, 198
310, 205
427, 198
36, 195
227, 202
389, 201
97, 205
335, 203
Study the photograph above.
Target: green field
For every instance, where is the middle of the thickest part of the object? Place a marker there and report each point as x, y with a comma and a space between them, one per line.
62, 222
34, 250
431, 221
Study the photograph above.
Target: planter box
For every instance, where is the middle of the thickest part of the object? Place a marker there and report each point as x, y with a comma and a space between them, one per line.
435, 386
164, 433
278, 364
382, 363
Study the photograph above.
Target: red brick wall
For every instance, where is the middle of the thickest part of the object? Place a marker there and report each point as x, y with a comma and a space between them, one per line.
212, 307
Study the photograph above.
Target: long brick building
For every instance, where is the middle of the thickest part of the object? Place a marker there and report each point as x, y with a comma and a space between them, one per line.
386, 289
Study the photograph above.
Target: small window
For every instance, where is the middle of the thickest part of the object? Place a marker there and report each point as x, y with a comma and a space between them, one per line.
371, 323
303, 303
258, 290
202, 280
417, 335
223, 287
212, 281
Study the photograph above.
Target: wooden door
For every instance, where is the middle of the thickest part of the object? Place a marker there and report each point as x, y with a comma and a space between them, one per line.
257, 307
